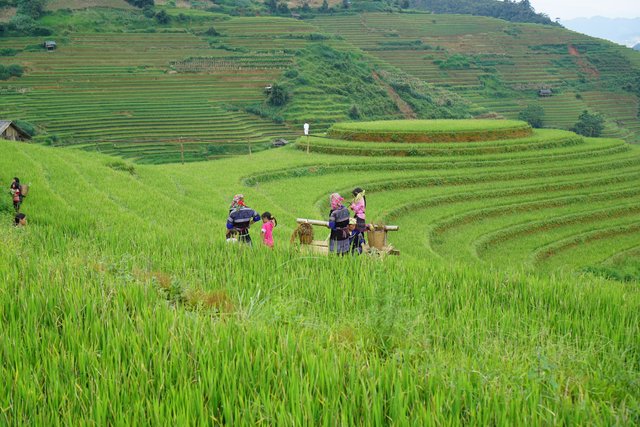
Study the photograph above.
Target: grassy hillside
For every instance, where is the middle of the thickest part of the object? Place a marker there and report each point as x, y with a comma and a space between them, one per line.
501, 65
124, 305
121, 82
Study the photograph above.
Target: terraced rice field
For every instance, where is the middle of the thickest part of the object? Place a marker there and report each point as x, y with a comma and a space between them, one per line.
146, 95
536, 195
160, 97
508, 63
123, 290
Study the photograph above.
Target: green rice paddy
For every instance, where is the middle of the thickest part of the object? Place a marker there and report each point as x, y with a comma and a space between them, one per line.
124, 304
514, 301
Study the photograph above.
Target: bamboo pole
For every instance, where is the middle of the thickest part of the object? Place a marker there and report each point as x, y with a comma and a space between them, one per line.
326, 224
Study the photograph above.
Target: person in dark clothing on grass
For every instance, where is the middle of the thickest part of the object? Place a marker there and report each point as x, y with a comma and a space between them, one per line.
16, 193
20, 220
239, 220
339, 225
356, 238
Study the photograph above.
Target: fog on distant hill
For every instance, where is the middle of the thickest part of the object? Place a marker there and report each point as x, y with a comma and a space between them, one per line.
625, 31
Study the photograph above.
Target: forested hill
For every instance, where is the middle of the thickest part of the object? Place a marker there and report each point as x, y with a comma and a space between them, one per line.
520, 11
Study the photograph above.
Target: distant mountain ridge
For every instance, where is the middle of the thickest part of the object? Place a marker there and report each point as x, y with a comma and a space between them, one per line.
625, 31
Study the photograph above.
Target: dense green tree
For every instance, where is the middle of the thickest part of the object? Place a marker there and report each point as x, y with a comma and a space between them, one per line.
163, 17
508, 10
325, 7
13, 70
589, 124
278, 96
283, 9
141, 3
272, 5
354, 112
31, 8
533, 114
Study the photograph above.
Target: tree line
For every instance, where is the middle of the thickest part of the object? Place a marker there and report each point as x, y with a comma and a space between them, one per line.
509, 10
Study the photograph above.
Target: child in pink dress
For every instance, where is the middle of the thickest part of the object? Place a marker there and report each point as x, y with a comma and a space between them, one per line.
268, 222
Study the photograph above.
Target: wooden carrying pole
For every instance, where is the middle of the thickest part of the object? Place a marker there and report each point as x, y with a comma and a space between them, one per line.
326, 224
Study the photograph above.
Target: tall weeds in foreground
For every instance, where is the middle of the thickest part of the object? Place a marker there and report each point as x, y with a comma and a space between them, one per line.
297, 339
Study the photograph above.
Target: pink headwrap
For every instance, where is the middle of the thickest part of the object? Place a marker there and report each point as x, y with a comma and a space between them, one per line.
336, 200
238, 200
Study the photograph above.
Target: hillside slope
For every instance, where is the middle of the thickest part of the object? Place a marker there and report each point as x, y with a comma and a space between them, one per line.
122, 290
194, 88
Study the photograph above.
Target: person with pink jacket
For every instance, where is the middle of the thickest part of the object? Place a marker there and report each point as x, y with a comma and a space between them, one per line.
358, 206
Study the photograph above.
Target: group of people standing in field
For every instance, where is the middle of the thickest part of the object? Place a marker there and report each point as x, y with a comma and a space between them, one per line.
18, 193
347, 233
240, 218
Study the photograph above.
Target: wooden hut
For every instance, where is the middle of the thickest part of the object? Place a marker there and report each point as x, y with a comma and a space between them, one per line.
8, 130
545, 92
50, 45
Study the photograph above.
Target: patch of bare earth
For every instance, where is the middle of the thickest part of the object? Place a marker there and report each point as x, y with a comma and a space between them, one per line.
6, 13
585, 66
404, 108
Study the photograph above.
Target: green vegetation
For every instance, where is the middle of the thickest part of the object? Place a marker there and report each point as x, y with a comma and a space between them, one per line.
515, 300
505, 65
123, 289
429, 130
589, 124
534, 115
13, 70
516, 11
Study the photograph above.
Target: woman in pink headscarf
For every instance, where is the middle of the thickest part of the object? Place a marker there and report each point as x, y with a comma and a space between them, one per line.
339, 225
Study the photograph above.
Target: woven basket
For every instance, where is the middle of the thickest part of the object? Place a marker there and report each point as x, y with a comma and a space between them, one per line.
377, 239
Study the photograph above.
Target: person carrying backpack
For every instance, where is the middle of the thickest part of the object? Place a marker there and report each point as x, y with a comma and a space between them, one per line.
240, 218
16, 193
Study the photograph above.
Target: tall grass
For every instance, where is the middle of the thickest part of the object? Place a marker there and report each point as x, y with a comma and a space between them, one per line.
121, 304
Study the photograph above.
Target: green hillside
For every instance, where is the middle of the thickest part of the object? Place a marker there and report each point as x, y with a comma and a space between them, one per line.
121, 82
124, 304
514, 300
501, 65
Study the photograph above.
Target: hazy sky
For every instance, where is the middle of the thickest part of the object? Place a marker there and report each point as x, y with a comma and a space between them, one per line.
568, 9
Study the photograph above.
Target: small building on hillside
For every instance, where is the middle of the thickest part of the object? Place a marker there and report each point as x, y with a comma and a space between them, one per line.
9, 130
50, 45
545, 92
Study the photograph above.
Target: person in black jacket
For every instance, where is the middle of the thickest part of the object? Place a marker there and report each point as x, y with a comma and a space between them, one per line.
339, 225
240, 218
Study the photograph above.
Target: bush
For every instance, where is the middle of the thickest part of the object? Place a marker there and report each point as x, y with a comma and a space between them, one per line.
31, 8
589, 124
119, 165
141, 3
9, 52
163, 17
26, 127
533, 115
13, 70
148, 12
212, 32
279, 95
291, 73
354, 112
